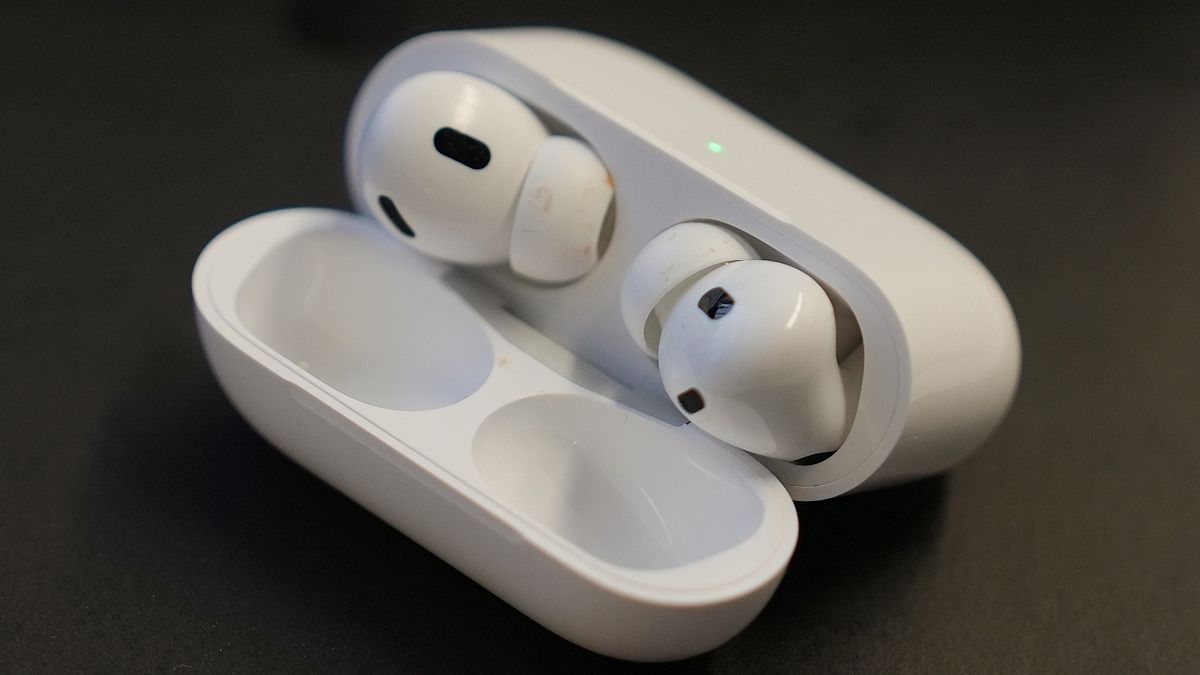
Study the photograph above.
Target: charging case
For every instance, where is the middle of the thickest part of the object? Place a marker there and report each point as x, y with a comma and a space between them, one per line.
516, 430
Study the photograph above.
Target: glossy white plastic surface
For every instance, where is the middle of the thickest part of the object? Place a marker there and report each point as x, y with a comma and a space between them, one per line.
455, 212
336, 309
560, 214
349, 351
763, 369
645, 502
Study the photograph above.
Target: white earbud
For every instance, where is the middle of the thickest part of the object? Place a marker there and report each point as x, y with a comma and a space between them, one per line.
748, 353
466, 172
748, 348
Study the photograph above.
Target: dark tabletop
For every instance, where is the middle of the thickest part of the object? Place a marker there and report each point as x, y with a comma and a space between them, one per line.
145, 527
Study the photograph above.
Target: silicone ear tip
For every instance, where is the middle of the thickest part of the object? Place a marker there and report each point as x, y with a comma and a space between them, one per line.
665, 264
560, 212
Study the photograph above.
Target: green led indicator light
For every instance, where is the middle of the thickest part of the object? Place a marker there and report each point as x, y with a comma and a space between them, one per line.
715, 147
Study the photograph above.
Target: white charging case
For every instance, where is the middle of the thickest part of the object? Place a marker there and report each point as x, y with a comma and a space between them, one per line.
517, 431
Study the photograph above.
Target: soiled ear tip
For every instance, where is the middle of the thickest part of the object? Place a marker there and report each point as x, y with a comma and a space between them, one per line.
560, 214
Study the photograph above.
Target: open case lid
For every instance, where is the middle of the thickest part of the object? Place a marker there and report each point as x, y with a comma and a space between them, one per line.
381, 372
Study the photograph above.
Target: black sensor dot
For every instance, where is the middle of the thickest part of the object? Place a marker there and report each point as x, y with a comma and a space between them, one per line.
456, 145
393, 215
716, 303
691, 401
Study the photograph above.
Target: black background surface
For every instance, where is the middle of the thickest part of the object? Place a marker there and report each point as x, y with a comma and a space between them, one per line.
144, 526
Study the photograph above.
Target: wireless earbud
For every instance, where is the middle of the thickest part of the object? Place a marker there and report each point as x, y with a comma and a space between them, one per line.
466, 172
747, 348
748, 354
